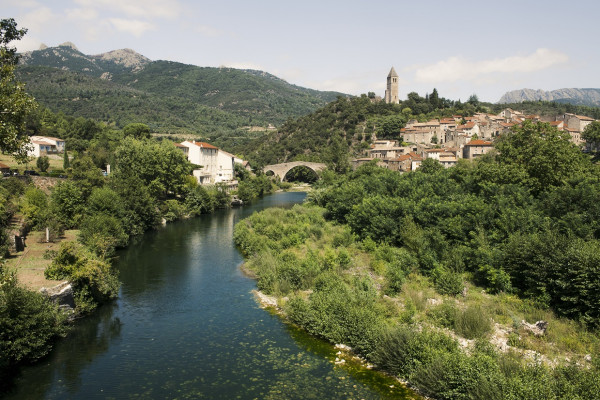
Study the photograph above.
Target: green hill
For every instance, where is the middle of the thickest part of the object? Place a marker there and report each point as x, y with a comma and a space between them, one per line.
123, 86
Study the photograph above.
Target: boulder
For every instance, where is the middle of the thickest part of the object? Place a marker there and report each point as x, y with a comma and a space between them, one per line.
61, 294
537, 329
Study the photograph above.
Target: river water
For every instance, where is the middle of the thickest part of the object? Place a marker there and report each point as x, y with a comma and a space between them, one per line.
186, 326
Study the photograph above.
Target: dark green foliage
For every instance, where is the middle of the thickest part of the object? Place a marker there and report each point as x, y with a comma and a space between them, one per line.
199, 201
401, 349
67, 204
15, 103
137, 131
94, 281
447, 281
43, 163
102, 234
29, 323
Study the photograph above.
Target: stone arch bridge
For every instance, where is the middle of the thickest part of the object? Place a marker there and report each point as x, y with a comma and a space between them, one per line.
282, 169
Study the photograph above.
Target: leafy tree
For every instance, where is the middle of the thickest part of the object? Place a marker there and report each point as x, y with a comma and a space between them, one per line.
43, 163
86, 175
102, 233
137, 131
591, 134
15, 103
544, 153
67, 204
430, 166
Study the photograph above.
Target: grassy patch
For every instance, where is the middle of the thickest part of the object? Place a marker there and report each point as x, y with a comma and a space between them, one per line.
30, 264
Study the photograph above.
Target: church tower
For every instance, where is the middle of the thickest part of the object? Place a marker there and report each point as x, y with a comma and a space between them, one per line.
391, 93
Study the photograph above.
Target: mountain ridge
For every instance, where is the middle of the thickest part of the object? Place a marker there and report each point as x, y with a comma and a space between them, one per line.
576, 96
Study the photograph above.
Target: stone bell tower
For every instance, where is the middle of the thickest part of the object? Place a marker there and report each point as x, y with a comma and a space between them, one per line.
391, 93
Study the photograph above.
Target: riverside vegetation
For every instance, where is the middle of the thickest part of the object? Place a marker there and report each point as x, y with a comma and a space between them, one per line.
433, 276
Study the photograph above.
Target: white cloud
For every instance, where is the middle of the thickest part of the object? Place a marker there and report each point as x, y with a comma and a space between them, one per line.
137, 8
36, 18
135, 27
458, 68
27, 43
21, 3
208, 31
81, 14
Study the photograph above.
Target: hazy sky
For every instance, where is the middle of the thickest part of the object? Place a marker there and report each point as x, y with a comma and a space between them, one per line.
459, 47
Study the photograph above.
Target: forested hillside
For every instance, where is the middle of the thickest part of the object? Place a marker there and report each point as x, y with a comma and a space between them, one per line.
122, 87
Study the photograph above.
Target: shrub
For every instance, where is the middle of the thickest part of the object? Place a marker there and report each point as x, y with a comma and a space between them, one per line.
447, 282
94, 281
473, 323
28, 323
402, 349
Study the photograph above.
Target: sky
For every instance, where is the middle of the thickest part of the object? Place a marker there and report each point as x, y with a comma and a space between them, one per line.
459, 47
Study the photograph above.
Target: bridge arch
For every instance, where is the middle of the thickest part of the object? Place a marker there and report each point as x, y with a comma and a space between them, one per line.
282, 169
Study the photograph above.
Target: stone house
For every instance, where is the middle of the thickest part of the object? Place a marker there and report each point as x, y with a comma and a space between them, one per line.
476, 148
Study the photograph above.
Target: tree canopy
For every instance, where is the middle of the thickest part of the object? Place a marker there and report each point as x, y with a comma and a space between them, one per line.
15, 103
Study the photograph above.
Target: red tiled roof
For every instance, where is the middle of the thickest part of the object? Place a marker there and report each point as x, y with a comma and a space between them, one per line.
3, 166
205, 145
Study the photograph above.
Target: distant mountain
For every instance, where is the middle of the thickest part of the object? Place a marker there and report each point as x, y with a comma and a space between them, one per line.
66, 56
123, 86
586, 97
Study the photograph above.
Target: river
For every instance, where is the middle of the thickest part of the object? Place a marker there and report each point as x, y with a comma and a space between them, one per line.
186, 326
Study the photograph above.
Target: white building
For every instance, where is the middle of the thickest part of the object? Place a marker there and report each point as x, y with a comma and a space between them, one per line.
215, 165
44, 145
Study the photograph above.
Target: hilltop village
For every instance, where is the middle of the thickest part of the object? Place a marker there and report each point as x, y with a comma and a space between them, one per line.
449, 139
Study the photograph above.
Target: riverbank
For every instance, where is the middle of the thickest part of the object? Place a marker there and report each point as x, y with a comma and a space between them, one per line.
447, 345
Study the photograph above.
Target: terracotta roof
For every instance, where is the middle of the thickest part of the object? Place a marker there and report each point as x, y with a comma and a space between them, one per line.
468, 125
179, 145
402, 158
53, 138
435, 150
3, 166
205, 145
556, 123
43, 143
584, 118
479, 142
415, 157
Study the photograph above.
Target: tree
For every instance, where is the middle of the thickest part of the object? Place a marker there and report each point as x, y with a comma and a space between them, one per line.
544, 153
66, 163
43, 163
137, 131
591, 134
15, 103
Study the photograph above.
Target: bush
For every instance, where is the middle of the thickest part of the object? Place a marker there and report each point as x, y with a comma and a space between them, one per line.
402, 349
28, 323
447, 282
94, 281
43, 163
473, 323
102, 233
